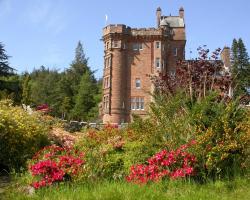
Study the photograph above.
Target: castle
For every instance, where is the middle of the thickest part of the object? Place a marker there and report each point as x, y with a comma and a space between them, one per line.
130, 54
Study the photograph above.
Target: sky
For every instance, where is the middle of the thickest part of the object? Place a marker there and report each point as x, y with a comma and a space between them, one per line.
46, 32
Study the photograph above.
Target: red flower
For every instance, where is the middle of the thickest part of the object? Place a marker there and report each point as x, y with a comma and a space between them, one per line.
53, 163
173, 164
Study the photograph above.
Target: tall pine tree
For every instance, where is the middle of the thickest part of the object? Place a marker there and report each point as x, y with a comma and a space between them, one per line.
83, 86
85, 99
5, 69
240, 68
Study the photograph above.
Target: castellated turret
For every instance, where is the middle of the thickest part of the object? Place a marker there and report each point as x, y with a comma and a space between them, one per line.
130, 55
115, 73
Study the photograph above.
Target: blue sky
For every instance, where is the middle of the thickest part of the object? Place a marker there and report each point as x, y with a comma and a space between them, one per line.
46, 32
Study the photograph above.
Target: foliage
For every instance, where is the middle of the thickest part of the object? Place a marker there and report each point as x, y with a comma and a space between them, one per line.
10, 88
54, 164
196, 78
5, 69
220, 127
21, 135
169, 113
26, 90
85, 98
71, 94
240, 67
44, 88
223, 138
109, 153
174, 164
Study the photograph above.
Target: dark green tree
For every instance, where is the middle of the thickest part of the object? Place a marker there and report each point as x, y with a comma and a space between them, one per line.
78, 67
26, 90
85, 99
240, 67
65, 107
5, 69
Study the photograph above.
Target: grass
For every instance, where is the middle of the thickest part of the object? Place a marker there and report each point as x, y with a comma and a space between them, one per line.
174, 190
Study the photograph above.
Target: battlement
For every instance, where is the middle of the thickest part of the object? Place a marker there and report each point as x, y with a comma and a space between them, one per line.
121, 28
146, 31
116, 28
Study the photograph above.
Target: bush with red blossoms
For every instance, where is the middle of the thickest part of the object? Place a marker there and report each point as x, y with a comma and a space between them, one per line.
54, 164
171, 164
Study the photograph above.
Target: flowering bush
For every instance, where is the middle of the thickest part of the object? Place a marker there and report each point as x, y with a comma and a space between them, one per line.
21, 135
54, 164
222, 147
173, 164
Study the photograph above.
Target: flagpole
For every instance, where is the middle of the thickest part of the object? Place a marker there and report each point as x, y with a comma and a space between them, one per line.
106, 20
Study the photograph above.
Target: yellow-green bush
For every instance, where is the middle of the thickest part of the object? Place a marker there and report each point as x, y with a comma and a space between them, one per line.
21, 135
109, 153
223, 145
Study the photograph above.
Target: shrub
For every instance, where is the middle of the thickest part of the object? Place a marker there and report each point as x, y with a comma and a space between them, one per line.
54, 164
220, 127
110, 152
21, 135
223, 137
173, 164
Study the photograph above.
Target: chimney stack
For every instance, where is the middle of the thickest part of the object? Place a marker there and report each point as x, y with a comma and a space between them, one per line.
158, 17
225, 57
181, 12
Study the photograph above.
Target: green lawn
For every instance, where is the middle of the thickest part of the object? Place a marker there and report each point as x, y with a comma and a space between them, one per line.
174, 190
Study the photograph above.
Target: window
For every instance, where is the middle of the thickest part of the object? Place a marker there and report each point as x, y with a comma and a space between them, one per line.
140, 46
106, 102
106, 82
157, 45
157, 62
137, 103
137, 46
115, 44
175, 51
107, 46
138, 83
107, 62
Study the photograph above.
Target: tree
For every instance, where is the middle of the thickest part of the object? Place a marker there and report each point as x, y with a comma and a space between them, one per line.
85, 98
26, 90
196, 78
240, 68
78, 67
44, 89
65, 107
5, 69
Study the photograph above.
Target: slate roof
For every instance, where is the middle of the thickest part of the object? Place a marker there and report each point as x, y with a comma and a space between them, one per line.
172, 21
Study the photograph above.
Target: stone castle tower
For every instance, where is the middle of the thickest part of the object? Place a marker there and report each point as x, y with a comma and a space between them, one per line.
130, 55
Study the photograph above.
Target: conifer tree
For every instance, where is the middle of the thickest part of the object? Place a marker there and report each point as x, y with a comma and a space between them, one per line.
26, 90
240, 68
5, 69
85, 100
